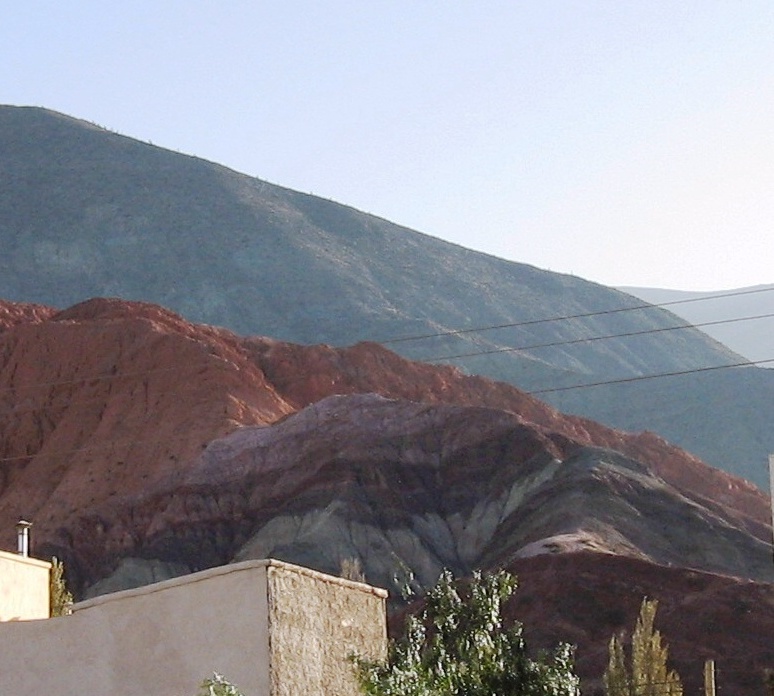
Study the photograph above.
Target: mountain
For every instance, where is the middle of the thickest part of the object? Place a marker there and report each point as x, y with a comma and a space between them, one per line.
414, 486
753, 338
144, 446
85, 212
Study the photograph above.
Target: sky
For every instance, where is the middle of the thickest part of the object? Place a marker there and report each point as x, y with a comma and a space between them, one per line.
628, 142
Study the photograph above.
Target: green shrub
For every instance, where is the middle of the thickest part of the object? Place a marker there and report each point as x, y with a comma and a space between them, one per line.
458, 646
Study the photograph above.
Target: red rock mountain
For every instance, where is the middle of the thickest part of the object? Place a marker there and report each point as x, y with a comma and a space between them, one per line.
144, 446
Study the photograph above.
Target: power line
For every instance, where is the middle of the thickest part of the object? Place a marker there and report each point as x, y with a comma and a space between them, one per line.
639, 378
584, 315
644, 332
145, 373
301, 378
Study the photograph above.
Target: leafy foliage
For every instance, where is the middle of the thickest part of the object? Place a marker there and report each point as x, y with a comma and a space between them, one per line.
649, 674
218, 685
60, 598
458, 646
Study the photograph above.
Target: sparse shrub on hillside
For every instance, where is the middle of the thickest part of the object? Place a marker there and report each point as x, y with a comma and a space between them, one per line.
458, 646
218, 685
648, 674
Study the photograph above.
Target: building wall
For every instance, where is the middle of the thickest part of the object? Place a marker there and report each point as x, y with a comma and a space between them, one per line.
269, 627
24, 587
159, 640
317, 623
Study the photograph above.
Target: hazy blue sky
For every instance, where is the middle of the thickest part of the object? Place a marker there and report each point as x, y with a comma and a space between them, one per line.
630, 142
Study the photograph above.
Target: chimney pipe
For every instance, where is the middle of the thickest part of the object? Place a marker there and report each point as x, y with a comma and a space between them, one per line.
23, 537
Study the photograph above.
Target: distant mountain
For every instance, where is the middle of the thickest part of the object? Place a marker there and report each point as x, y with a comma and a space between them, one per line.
144, 446
85, 212
754, 338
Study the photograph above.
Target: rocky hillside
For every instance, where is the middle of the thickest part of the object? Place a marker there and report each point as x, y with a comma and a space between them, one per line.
85, 212
143, 446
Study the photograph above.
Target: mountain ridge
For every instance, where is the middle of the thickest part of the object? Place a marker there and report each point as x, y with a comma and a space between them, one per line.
87, 213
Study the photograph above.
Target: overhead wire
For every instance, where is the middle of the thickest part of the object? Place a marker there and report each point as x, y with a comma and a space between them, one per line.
639, 378
534, 392
634, 378
583, 315
133, 442
589, 339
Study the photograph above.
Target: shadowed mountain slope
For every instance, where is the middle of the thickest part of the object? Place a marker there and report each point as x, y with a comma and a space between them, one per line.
586, 597
85, 212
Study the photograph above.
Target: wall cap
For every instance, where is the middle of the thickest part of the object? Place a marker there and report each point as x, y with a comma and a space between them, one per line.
26, 560
202, 575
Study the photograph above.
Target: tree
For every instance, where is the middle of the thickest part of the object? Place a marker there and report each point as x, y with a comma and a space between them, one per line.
60, 598
458, 646
649, 674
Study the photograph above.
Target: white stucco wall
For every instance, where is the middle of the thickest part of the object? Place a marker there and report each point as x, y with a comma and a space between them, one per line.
24, 587
163, 639
159, 640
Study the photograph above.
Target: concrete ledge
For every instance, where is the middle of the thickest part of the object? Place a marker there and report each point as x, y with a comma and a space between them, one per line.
24, 560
